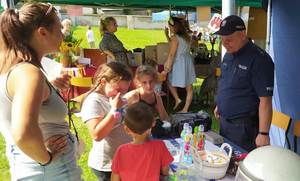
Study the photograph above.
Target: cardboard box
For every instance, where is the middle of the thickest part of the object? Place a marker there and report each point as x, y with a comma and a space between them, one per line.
150, 53
162, 50
138, 57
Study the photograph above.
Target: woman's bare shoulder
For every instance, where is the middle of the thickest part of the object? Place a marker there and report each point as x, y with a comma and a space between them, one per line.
27, 72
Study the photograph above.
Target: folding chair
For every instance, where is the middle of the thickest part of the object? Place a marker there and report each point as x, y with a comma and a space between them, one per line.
282, 121
79, 82
296, 134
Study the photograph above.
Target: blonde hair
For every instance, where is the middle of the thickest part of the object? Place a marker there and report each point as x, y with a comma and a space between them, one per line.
66, 22
104, 23
16, 31
143, 70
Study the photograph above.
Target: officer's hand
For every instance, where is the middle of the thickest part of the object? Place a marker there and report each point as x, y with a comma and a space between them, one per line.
262, 140
216, 112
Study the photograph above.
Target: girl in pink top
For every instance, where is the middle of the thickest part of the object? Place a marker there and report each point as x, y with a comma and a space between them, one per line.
143, 158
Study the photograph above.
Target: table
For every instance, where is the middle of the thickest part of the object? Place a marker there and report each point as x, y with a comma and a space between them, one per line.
85, 71
173, 146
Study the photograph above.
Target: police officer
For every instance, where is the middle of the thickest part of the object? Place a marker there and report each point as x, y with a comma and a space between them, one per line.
245, 90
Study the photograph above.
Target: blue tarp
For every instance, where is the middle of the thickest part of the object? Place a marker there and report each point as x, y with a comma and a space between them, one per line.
164, 15
285, 51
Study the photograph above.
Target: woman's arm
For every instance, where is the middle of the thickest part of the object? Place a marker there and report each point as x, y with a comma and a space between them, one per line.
105, 46
161, 108
172, 53
167, 34
110, 54
27, 86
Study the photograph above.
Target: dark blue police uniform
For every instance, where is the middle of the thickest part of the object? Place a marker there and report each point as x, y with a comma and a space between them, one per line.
246, 75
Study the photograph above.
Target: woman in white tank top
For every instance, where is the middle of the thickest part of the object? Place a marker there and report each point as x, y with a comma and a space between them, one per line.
38, 142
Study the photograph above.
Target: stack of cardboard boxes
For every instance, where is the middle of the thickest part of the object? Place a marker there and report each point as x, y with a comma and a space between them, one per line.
157, 53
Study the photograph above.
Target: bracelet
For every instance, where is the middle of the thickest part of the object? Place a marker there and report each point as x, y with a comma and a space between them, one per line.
115, 113
264, 133
49, 161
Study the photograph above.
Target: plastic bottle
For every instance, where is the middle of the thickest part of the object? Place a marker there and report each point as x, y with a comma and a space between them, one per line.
195, 136
187, 143
201, 142
184, 130
184, 165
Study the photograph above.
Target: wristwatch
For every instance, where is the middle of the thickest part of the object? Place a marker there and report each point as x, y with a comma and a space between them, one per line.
264, 133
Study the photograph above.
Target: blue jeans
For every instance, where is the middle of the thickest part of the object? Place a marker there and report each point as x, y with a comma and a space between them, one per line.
63, 168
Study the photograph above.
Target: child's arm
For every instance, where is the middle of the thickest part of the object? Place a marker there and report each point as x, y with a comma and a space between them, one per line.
114, 177
101, 127
163, 115
165, 170
131, 97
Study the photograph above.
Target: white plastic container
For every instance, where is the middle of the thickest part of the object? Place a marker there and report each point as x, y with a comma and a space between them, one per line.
212, 170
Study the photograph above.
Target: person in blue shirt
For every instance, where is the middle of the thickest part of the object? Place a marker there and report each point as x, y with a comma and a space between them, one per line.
245, 90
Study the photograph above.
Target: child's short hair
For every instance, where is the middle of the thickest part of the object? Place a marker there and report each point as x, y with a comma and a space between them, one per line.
139, 117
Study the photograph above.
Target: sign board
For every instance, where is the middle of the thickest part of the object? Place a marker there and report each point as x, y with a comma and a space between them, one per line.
214, 23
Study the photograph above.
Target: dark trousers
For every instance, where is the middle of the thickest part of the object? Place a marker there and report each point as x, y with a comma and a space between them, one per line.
241, 131
102, 176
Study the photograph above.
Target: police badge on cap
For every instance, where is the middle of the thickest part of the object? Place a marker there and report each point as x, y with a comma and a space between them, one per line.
230, 25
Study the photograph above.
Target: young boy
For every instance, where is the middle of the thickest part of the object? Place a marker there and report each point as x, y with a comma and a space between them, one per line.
143, 158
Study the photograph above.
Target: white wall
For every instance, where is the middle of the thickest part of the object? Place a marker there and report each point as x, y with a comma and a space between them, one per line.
134, 21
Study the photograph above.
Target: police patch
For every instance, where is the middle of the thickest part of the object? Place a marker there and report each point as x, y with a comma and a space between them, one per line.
269, 88
242, 67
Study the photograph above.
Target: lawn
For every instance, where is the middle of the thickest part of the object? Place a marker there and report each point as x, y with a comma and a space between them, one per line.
131, 39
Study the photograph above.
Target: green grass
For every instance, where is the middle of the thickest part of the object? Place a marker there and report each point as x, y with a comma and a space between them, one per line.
131, 39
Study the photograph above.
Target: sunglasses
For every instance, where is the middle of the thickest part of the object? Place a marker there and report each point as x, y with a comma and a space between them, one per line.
49, 10
171, 21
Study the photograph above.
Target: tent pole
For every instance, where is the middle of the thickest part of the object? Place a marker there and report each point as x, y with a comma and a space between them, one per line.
268, 26
228, 8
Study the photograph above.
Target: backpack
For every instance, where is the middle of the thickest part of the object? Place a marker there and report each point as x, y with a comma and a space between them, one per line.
194, 119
